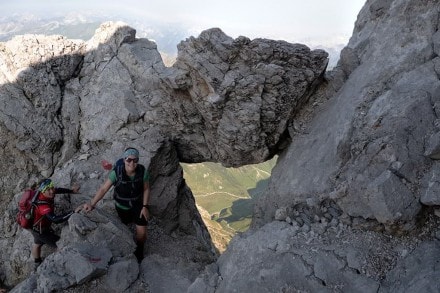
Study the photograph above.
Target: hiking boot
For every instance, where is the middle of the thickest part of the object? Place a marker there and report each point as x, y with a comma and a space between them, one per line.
37, 263
139, 253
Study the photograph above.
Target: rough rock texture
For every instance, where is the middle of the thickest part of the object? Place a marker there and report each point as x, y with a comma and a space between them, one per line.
355, 195
223, 100
366, 147
68, 109
243, 93
353, 201
32, 76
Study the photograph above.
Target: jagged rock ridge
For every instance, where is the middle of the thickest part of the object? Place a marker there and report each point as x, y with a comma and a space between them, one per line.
352, 205
70, 104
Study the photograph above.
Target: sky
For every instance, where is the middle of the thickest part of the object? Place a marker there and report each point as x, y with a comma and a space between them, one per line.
325, 22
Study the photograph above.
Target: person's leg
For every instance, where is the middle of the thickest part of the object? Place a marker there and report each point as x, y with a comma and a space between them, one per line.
141, 237
141, 232
130, 216
47, 237
36, 252
50, 238
36, 247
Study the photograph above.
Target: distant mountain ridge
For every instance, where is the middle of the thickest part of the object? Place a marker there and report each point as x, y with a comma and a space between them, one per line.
83, 26
77, 25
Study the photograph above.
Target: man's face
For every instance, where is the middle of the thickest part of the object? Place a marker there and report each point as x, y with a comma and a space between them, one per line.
49, 192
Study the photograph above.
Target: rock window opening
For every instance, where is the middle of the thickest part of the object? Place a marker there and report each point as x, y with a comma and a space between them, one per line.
225, 196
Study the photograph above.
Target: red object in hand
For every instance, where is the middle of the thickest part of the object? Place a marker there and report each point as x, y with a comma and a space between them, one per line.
106, 165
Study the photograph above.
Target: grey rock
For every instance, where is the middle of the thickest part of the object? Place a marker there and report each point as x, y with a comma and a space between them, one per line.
433, 146
430, 192
206, 281
29, 285
167, 275
358, 150
369, 125
407, 277
121, 275
73, 265
281, 214
238, 85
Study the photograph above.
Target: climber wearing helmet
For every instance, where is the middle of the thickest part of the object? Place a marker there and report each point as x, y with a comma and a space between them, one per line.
44, 217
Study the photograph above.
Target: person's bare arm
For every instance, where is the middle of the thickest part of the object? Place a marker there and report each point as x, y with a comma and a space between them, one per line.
146, 198
98, 196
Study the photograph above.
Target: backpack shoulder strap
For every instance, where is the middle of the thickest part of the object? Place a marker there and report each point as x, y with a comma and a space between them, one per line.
140, 170
119, 165
34, 198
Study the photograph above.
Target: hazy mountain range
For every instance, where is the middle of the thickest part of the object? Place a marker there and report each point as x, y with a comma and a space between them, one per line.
83, 25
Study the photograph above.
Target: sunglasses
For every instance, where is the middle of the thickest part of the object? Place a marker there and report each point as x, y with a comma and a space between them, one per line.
129, 160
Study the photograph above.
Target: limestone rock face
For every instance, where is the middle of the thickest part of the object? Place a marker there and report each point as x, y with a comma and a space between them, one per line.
68, 105
353, 202
361, 170
372, 146
352, 205
224, 100
34, 70
244, 93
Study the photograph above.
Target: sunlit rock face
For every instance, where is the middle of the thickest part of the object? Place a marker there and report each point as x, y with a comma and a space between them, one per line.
353, 202
352, 205
68, 105
373, 146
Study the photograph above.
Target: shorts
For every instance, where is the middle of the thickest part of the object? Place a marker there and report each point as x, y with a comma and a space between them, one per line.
131, 215
47, 237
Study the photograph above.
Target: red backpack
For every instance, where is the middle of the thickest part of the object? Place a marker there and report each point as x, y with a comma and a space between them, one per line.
26, 206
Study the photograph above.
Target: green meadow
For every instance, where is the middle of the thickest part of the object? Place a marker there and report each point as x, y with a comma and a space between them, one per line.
225, 196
